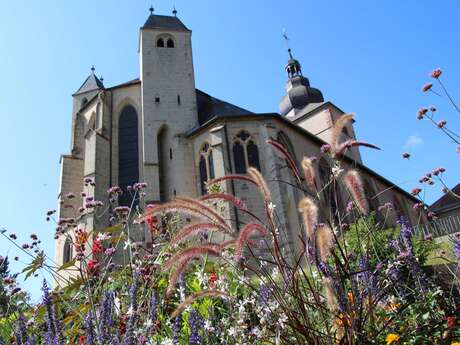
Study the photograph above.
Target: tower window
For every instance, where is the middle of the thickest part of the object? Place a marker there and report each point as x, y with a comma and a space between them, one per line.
178, 99
157, 99
206, 166
170, 153
67, 255
160, 43
245, 153
170, 43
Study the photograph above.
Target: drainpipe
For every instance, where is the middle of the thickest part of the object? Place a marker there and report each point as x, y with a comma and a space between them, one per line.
232, 183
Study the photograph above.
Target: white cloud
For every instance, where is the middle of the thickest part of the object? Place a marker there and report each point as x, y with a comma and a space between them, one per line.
413, 142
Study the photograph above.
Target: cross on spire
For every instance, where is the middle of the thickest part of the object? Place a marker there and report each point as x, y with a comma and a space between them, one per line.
174, 12
151, 9
286, 39
93, 68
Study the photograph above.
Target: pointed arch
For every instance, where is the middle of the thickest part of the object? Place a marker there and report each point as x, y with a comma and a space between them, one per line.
163, 159
206, 166
67, 254
245, 152
128, 152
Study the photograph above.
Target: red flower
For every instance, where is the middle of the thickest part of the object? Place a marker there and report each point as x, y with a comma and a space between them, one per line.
97, 246
93, 266
451, 321
152, 222
81, 340
212, 279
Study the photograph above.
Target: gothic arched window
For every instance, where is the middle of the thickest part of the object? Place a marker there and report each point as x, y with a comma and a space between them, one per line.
68, 253
170, 43
245, 153
128, 153
206, 166
284, 140
330, 192
160, 43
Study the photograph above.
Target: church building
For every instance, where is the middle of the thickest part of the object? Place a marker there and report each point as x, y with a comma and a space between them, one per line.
162, 130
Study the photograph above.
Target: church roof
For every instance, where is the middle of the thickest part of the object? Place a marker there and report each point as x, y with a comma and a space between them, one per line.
91, 83
209, 107
164, 22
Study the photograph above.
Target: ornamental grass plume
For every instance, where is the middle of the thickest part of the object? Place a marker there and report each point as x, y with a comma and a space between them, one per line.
194, 229
194, 297
324, 241
309, 173
261, 184
231, 199
192, 252
329, 294
309, 211
243, 237
355, 186
337, 148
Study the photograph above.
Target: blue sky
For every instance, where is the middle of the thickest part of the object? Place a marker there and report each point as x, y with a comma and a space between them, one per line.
367, 57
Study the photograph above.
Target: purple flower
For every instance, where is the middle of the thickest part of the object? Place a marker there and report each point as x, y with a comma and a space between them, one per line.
325, 148
456, 249
132, 318
89, 328
195, 323
105, 317
176, 330
153, 310
264, 295
20, 334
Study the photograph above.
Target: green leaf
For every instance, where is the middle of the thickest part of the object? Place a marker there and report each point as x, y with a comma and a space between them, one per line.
66, 265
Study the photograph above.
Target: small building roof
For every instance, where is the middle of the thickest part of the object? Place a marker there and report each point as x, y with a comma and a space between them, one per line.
155, 21
447, 201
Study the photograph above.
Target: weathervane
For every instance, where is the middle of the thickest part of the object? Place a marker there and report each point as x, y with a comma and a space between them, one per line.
151, 9
286, 39
174, 11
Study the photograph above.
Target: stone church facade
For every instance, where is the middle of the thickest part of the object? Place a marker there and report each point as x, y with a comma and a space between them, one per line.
161, 130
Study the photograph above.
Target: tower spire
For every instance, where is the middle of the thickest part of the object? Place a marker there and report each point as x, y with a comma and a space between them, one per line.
93, 69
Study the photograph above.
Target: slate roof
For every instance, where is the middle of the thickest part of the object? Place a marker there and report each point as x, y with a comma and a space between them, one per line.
210, 107
164, 22
91, 83
447, 201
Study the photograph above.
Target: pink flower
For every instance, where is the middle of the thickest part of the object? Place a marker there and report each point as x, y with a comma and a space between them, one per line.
441, 123
436, 73
433, 109
417, 206
416, 191
325, 148
427, 87
421, 113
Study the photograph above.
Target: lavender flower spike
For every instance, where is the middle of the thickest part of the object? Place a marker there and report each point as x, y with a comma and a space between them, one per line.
129, 335
89, 328
195, 323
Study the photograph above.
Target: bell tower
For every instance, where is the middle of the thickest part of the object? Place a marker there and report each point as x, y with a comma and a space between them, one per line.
168, 99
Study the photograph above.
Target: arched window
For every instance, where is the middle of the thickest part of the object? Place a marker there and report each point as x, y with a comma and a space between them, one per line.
206, 166
98, 123
128, 153
170, 43
371, 196
284, 140
83, 102
330, 192
68, 252
245, 153
160, 43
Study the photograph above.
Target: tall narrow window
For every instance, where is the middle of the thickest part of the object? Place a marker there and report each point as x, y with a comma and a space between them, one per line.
128, 153
67, 255
245, 153
330, 192
170, 43
284, 140
206, 166
160, 43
